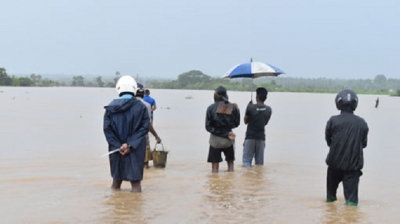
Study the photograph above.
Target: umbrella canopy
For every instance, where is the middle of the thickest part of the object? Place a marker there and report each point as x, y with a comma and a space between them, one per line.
252, 70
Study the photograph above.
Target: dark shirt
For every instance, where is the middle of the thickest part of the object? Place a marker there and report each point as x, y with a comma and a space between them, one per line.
258, 117
220, 123
346, 135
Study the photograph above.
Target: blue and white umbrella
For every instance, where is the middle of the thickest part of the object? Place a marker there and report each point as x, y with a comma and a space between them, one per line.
252, 70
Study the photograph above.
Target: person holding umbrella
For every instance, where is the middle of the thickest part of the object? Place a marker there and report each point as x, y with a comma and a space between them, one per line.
221, 117
256, 118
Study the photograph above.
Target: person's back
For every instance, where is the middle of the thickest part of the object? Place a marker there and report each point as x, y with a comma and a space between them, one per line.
346, 135
221, 117
151, 101
256, 118
259, 115
125, 125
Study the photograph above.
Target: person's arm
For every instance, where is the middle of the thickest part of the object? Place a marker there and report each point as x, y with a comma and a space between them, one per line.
268, 117
154, 107
365, 137
154, 133
247, 113
236, 113
328, 132
246, 119
112, 139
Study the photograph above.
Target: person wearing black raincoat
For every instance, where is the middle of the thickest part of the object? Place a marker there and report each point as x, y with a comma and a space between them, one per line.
346, 135
221, 117
126, 124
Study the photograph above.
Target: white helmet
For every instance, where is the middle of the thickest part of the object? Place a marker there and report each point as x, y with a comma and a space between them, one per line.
126, 84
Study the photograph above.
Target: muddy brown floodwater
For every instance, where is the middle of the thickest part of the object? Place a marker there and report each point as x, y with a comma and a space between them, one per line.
51, 169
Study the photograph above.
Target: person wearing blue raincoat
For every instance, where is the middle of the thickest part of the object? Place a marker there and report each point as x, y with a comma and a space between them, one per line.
126, 124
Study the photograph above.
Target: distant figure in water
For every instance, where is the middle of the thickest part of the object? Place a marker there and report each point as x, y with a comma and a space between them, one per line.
221, 117
346, 135
151, 101
126, 124
377, 102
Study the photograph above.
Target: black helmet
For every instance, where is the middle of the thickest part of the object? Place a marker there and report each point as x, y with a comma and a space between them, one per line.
346, 97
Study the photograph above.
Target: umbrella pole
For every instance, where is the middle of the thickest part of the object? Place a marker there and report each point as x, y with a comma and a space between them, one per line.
252, 78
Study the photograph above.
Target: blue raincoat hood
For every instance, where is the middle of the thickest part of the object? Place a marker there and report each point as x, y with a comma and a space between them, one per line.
121, 105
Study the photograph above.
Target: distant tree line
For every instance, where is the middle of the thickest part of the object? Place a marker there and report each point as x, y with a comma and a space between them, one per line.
196, 79
38, 80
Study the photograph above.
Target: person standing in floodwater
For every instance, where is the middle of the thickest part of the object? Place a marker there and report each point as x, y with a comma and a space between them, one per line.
148, 157
221, 117
256, 118
346, 135
377, 102
126, 124
151, 101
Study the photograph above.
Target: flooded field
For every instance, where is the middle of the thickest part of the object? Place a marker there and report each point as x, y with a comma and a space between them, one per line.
51, 169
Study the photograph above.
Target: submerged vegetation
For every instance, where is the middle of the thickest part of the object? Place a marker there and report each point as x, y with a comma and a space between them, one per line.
197, 80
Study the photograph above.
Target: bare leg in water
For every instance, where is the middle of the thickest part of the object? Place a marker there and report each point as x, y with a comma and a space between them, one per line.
116, 184
136, 186
214, 167
230, 166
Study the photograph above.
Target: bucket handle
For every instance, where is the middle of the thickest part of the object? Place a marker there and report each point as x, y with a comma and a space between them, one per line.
155, 146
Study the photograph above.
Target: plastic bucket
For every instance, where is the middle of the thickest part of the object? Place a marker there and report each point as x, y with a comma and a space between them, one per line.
159, 157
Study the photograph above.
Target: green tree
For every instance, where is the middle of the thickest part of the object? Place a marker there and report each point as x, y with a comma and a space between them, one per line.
117, 76
15, 82
99, 81
192, 77
25, 81
47, 82
380, 80
110, 84
78, 81
36, 79
5, 80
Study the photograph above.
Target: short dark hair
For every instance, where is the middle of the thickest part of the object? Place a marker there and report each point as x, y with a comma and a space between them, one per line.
140, 93
262, 93
147, 91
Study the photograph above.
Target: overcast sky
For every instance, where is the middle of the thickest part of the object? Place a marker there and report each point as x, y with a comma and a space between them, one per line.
164, 38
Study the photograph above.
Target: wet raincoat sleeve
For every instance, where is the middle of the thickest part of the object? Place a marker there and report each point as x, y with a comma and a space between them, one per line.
365, 137
135, 140
236, 113
328, 132
111, 137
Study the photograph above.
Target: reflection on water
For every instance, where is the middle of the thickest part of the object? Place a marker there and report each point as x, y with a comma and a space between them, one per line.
52, 140
123, 205
342, 214
241, 196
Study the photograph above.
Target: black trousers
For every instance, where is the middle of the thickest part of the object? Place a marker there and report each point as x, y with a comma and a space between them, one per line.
350, 179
